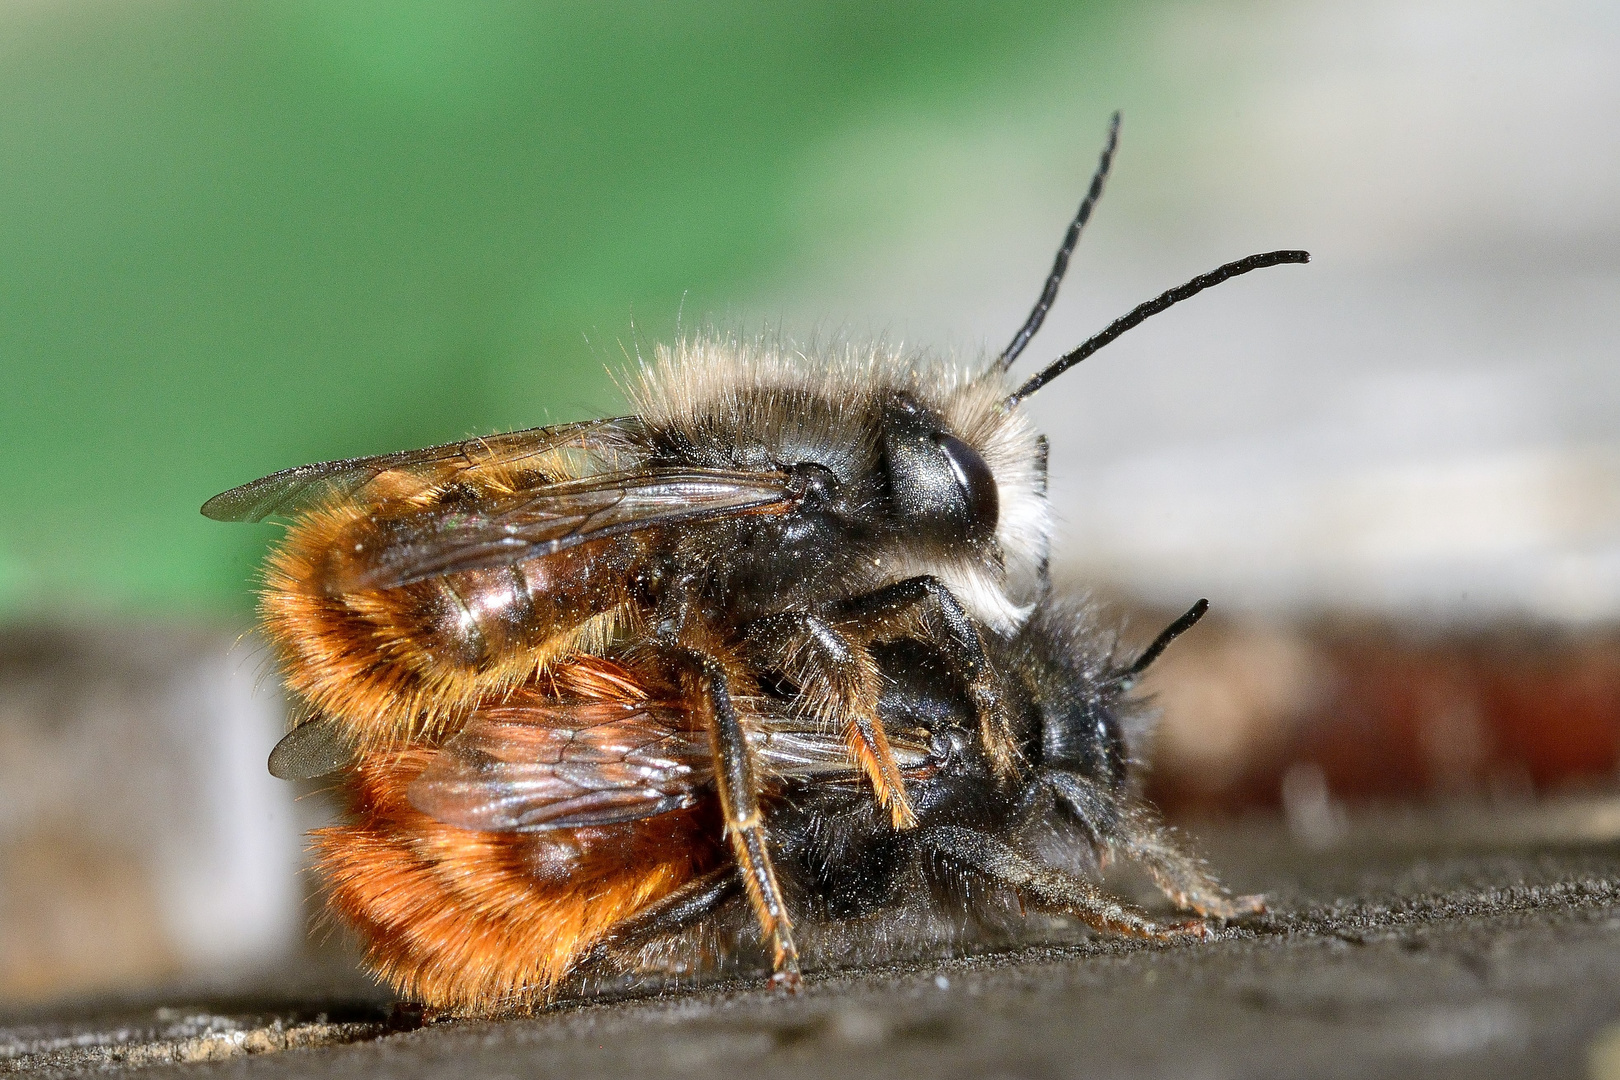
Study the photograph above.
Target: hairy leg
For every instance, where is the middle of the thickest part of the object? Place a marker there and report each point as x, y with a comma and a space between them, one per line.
838, 685
892, 611
1126, 826
1049, 889
680, 910
737, 781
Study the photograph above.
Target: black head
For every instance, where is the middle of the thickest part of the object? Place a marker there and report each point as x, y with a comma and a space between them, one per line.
1079, 690
1074, 703
939, 486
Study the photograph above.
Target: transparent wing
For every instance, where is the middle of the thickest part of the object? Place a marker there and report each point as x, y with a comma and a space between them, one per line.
293, 490
454, 537
523, 769
314, 748
533, 766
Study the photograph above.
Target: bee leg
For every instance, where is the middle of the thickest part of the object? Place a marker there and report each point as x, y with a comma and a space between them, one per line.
1123, 825
838, 683
957, 638
1048, 889
680, 910
738, 784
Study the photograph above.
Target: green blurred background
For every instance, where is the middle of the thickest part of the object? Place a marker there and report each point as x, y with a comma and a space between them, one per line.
238, 237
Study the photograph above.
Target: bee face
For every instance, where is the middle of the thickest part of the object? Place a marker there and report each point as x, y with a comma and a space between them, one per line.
1077, 702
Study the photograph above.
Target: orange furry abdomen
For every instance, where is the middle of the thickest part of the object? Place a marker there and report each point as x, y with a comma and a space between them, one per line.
407, 662
482, 922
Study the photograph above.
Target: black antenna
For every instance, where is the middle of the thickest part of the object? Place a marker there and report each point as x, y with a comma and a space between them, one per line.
1162, 642
1145, 311
1060, 265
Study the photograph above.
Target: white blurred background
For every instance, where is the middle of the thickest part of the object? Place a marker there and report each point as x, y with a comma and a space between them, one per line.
1423, 422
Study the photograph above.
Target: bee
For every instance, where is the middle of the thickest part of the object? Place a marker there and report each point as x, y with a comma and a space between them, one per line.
768, 643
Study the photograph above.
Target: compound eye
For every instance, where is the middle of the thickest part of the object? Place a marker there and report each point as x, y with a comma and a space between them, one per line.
978, 484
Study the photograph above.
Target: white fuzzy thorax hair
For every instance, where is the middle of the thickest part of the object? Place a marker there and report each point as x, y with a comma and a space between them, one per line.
752, 388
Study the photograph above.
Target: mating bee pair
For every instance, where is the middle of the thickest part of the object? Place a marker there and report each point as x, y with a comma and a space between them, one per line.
779, 644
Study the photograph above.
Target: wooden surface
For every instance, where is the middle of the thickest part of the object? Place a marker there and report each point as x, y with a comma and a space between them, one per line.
1471, 941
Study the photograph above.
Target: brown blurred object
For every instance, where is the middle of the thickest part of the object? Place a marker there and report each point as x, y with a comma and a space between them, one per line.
74, 916
1268, 716
140, 838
